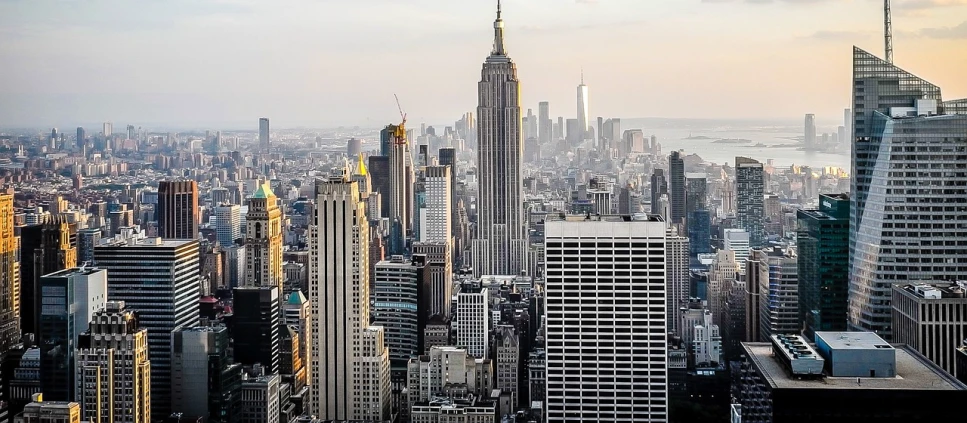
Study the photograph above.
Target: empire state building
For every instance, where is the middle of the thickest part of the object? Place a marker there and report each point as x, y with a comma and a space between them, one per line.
500, 246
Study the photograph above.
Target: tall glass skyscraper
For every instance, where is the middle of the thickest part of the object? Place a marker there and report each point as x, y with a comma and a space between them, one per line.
749, 200
823, 240
676, 186
908, 215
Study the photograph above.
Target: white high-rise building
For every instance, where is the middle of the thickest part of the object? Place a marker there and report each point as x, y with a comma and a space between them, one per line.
614, 340
435, 219
228, 224
737, 240
584, 122
501, 244
473, 321
350, 362
264, 134
676, 281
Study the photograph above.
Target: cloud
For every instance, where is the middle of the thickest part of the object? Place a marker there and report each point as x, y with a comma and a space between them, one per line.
958, 32
919, 5
831, 35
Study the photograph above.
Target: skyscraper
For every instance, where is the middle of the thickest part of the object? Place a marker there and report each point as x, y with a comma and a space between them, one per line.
350, 378
228, 224
473, 320
81, 137
9, 276
263, 240
749, 199
178, 209
546, 126
113, 371
398, 309
45, 249
159, 280
584, 123
70, 298
400, 188
205, 381
264, 135
622, 346
905, 156
501, 244
809, 142
823, 240
676, 186
256, 326
659, 186
676, 281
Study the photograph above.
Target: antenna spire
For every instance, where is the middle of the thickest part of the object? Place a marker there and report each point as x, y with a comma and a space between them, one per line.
499, 34
582, 75
888, 31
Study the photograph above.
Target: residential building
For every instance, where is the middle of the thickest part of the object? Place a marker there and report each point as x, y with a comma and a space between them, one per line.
931, 317
113, 372
749, 199
676, 187
676, 280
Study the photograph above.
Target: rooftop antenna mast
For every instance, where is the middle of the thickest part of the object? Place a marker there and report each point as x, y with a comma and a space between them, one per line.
888, 31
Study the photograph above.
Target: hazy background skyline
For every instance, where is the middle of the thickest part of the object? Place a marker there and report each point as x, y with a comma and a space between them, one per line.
338, 62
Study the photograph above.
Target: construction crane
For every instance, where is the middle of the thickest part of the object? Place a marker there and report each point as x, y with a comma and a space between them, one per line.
399, 133
888, 31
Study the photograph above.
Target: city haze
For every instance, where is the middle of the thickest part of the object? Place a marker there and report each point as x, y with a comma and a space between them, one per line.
339, 62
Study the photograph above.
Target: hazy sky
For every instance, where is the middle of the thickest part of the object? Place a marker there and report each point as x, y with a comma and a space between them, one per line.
212, 63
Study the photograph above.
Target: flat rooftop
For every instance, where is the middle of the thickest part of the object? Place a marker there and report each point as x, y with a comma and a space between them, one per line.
853, 340
913, 373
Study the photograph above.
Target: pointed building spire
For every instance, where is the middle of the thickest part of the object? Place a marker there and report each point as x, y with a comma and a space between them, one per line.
582, 75
498, 34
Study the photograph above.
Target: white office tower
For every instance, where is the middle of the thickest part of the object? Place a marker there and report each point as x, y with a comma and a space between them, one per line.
721, 274
737, 240
676, 281
613, 270
501, 244
436, 217
228, 224
473, 321
350, 362
113, 371
583, 120
706, 342
429, 375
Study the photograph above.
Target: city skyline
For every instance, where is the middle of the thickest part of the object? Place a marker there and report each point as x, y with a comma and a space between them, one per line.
204, 69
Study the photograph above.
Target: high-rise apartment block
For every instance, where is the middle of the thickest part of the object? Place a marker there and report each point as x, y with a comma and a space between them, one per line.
908, 187
617, 342
749, 199
676, 281
822, 238
676, 186
113, 382
263, 240
932, 318
435, 220
349, 359
178, 209
159, 280
501, 244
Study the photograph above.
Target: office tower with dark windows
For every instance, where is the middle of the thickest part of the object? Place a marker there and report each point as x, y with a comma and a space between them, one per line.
501, 244
931, 318
81, 137
659, 187
264, 142
399, 308
749, 199
69, 300
350, 361
113, 370
676, 187
159, 280
909, 187
617, 342
45, 248
263, 239
256, 326
178, 209
205, 381
823, 240
379, 176
9, 276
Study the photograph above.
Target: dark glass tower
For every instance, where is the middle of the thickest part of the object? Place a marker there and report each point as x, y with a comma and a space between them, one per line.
659, 186
823, 240
379, 176
178, 209
749, 199
676, 186
909, 188
256, 327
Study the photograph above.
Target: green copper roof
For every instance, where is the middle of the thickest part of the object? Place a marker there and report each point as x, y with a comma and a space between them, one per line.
264, 191
296, 298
